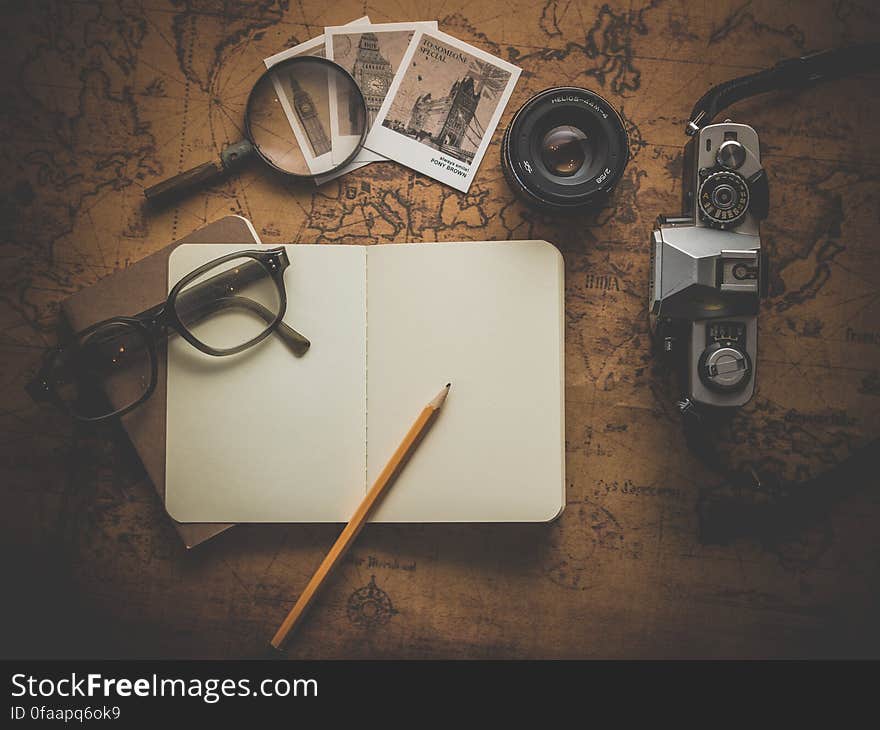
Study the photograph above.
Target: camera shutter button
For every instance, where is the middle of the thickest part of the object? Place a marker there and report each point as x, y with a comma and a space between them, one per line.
731, 154
724, 368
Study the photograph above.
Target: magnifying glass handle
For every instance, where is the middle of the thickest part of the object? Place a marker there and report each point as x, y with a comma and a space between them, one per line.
201, 174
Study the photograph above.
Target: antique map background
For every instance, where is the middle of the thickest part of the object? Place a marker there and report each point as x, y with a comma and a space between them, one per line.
102, 99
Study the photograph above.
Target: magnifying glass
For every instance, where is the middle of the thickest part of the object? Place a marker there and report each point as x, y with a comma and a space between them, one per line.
287, 126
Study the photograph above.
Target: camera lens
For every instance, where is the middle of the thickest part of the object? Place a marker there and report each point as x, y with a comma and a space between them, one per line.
565, 149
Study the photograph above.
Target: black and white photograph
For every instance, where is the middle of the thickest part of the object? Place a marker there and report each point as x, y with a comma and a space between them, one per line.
442, 108
372, 55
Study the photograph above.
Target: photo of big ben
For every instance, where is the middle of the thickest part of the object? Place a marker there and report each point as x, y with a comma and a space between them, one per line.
308, 117
372, 56
373, 74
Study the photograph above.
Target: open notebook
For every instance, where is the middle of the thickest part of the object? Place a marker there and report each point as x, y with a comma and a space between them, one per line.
266, 437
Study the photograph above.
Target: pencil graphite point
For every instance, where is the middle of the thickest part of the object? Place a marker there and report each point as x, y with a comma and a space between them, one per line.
440, 397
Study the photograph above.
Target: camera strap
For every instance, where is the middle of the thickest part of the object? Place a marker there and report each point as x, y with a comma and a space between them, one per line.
749, 502
787, 74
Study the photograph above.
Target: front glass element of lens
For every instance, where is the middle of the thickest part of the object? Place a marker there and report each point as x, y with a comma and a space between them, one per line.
565, 149
103, 371
288, 116
230, 305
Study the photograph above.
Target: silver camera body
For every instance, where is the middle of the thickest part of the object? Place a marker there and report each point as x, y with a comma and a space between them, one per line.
707, 270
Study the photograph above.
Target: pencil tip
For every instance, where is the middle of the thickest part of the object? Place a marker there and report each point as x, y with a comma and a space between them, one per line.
440, 397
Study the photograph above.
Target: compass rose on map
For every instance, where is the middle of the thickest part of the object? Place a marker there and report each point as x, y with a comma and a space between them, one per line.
369, 606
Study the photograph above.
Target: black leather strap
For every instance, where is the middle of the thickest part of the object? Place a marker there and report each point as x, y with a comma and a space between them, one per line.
752, 503
749, 505
790, 73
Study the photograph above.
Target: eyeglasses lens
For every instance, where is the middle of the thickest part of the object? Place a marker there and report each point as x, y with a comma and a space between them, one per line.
103, 371
231, 305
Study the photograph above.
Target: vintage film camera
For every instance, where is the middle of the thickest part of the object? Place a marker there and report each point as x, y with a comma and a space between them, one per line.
708, 271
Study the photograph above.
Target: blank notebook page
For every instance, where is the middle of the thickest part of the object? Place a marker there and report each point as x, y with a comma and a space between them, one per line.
264, 436
488, 317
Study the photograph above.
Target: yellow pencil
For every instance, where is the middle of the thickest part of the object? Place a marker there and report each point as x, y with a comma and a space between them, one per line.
343, 543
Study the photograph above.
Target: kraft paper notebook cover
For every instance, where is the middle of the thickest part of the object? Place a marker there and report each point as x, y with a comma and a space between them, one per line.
134, 289
389, 325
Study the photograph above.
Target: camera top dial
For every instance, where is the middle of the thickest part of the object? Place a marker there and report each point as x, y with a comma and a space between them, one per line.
724, 185
723, 198
731, 154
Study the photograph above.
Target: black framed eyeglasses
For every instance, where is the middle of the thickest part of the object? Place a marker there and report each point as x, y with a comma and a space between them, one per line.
224, 307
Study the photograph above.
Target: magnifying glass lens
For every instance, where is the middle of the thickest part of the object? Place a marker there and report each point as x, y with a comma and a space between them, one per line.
288, 125
289, 117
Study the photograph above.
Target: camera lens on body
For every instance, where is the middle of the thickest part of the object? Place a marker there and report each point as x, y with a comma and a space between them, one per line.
566, 148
